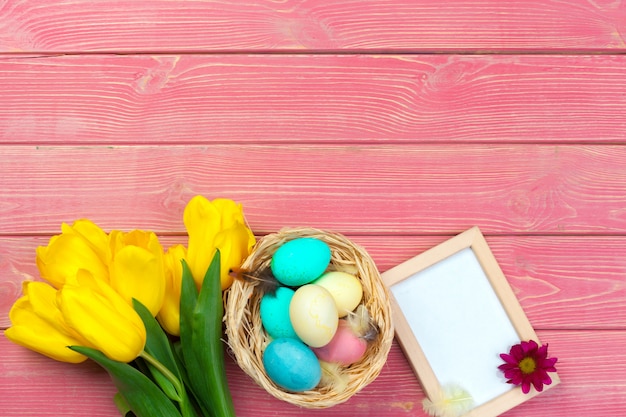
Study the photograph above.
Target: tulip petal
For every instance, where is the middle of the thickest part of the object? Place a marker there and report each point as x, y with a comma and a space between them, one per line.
136, 268
96, 237
231, 213
37, 324
137, 273
169, 315
64, 256
53, 345
102, 317
203, 221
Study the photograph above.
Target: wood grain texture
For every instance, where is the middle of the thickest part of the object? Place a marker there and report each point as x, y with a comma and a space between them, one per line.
314, 25
105, 99
397, 123
86, 390
562, 282
434, 189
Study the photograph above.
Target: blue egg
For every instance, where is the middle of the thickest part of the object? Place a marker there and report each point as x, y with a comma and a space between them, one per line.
274, 312
292, 365
300, 261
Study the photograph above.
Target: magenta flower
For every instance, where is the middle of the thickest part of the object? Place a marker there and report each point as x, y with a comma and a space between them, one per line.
527, 363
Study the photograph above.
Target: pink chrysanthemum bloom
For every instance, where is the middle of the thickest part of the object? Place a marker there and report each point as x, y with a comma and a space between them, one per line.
526, 364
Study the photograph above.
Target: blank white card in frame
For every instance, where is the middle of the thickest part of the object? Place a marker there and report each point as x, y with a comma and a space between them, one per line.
460, 323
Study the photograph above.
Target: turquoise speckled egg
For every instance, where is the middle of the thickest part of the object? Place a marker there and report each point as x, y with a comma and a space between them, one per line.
274, 310
292, 365
300, 261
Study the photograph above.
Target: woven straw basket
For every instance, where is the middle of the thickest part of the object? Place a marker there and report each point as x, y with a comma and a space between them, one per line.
247, 339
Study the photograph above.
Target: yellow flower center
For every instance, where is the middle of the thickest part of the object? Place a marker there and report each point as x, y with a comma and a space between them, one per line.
527, 365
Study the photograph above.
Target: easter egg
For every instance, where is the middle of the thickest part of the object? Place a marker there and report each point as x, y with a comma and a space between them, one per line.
274, 311
345, 347
300, 261
291, 365
345, 288
313, 315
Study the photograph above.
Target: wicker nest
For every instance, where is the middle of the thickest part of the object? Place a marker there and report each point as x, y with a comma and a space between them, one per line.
247, 339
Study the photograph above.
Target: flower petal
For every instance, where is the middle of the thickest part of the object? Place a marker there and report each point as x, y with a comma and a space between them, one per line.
102, 317
36, 324
517, 352
202, 220
537, 384
530, 347
65, 255
169, 315
510, 359
231, 213
96, 238
544, 377
138, 273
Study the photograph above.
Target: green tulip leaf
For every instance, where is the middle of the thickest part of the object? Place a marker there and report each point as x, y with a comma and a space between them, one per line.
178, 355
158, 347
194, 375
201, 339
209, 348
177, 348
188, 299
122, 405
143, 397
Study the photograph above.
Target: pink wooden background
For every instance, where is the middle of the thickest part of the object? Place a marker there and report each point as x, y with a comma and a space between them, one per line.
399, 123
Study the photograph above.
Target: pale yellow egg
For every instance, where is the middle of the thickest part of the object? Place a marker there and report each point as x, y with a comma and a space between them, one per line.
345, 288
313, 315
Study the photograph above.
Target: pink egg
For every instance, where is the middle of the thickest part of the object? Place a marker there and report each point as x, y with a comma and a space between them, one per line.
345, 347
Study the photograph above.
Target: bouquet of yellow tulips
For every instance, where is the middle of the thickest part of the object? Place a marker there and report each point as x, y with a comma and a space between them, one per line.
151, 318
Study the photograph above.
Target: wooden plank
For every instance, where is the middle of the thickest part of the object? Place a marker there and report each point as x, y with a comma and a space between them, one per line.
429, 189
28, 381
103, 99
562, 282
314, 25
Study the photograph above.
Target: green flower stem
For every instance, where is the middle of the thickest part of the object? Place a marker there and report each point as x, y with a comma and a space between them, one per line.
166, 372
186, 408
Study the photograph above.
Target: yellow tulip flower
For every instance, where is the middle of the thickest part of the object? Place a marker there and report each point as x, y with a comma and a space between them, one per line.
231, 213
37, 324
169, 316
96, 312
83, 245
219, 224
234, 244
202, 221
136, 268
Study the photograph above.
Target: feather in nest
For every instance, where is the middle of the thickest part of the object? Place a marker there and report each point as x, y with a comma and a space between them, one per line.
263, 280
333, 378
362, 324
451, 400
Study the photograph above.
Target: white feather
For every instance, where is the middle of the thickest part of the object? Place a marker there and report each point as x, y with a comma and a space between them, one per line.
451, 401
362, 324
333, 378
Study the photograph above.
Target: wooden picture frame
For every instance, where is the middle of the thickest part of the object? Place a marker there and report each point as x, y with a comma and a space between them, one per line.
454, 313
